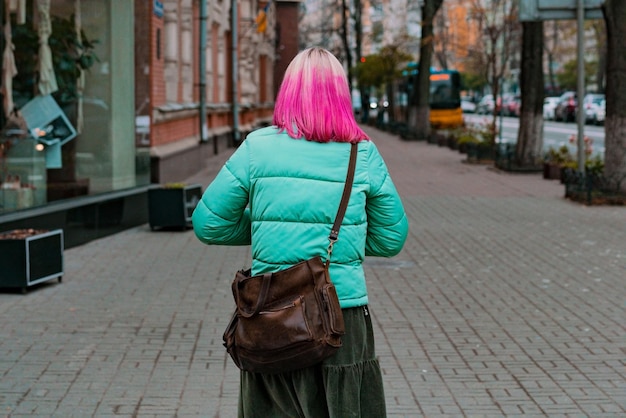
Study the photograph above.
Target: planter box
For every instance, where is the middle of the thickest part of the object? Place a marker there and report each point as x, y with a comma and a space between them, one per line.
480, 153
453, 143
30, 257
551, 171
172, 207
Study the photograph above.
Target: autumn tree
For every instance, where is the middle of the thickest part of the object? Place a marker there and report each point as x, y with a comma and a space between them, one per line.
497, 22
345, 17
562, 63
568, 77
380, 70
394, 58
559, 51
599, 31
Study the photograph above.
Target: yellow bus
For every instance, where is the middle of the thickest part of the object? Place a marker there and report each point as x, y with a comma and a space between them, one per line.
445, 96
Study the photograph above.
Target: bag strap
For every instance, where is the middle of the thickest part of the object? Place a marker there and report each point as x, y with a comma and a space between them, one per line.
345, 197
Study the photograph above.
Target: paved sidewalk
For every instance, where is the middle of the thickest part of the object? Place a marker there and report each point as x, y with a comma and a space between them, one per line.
508, 300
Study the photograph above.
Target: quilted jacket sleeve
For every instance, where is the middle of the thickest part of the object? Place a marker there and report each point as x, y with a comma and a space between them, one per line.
387, 224
221, 216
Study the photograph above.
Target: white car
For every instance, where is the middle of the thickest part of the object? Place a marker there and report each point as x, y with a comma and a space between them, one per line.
467, 105
600, 113
486, 105
592, 103
549, 104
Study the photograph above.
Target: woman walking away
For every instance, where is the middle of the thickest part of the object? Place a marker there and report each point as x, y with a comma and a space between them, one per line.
279, 193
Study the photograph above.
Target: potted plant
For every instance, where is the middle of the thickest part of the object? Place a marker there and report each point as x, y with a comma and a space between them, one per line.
593, 186
453, 142
478, 142
171, 205
554, 162
454, 136
29, 257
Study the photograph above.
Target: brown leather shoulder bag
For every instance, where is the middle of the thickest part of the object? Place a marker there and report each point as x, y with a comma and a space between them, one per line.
289, 319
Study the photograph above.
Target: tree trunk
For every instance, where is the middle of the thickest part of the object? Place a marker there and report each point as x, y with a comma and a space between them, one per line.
419, 112
391, 98
344, 40
615, 123
358, 37
530, 134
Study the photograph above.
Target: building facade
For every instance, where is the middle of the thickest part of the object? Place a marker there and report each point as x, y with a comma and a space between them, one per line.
103, 99
168, 95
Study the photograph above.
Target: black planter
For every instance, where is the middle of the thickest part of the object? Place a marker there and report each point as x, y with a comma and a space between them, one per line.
453, 143
551, 171
172, 207
480, 153
28, 258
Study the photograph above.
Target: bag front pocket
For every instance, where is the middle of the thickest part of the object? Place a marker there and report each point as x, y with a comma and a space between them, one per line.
331, 300
286, 323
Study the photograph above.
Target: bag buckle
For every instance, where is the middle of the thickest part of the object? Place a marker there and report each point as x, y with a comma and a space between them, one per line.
329, 250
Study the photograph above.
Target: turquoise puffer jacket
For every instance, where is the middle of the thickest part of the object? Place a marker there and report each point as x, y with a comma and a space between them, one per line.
281, 195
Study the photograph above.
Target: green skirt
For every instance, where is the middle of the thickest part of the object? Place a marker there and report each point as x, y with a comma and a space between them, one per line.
348, 384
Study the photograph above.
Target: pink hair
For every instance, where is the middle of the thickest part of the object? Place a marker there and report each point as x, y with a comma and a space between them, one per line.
314, 101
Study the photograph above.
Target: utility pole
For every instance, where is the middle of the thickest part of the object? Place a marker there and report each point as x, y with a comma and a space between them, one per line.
235, 73
202, 71
580, 37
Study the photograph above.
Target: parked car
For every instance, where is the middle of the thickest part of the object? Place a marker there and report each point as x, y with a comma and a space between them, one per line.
511, 104
517, 110
487, 105
356, 103
591, 105
373, 110
549, 104
467, 104
565, 109
600, 114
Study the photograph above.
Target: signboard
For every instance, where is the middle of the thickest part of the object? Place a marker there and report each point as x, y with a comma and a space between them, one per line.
537, 10
158, 8
46, 120
48, 125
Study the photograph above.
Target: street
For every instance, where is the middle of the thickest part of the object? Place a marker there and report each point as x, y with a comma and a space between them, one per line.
555, 134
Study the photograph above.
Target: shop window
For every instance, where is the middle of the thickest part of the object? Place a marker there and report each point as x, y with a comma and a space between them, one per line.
58, 122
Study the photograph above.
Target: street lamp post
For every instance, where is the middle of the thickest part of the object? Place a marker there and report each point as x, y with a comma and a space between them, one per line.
580, 15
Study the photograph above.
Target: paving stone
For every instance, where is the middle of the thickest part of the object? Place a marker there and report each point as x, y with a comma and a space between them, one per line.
507, 300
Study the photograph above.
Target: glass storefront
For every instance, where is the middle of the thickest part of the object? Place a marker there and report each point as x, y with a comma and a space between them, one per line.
68, 112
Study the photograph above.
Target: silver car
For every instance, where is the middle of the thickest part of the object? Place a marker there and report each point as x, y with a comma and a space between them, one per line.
600, 114
591, 105
467, 105
549, 104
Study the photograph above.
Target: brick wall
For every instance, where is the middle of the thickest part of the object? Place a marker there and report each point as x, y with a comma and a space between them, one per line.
173, 130
174, 154
157, 61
